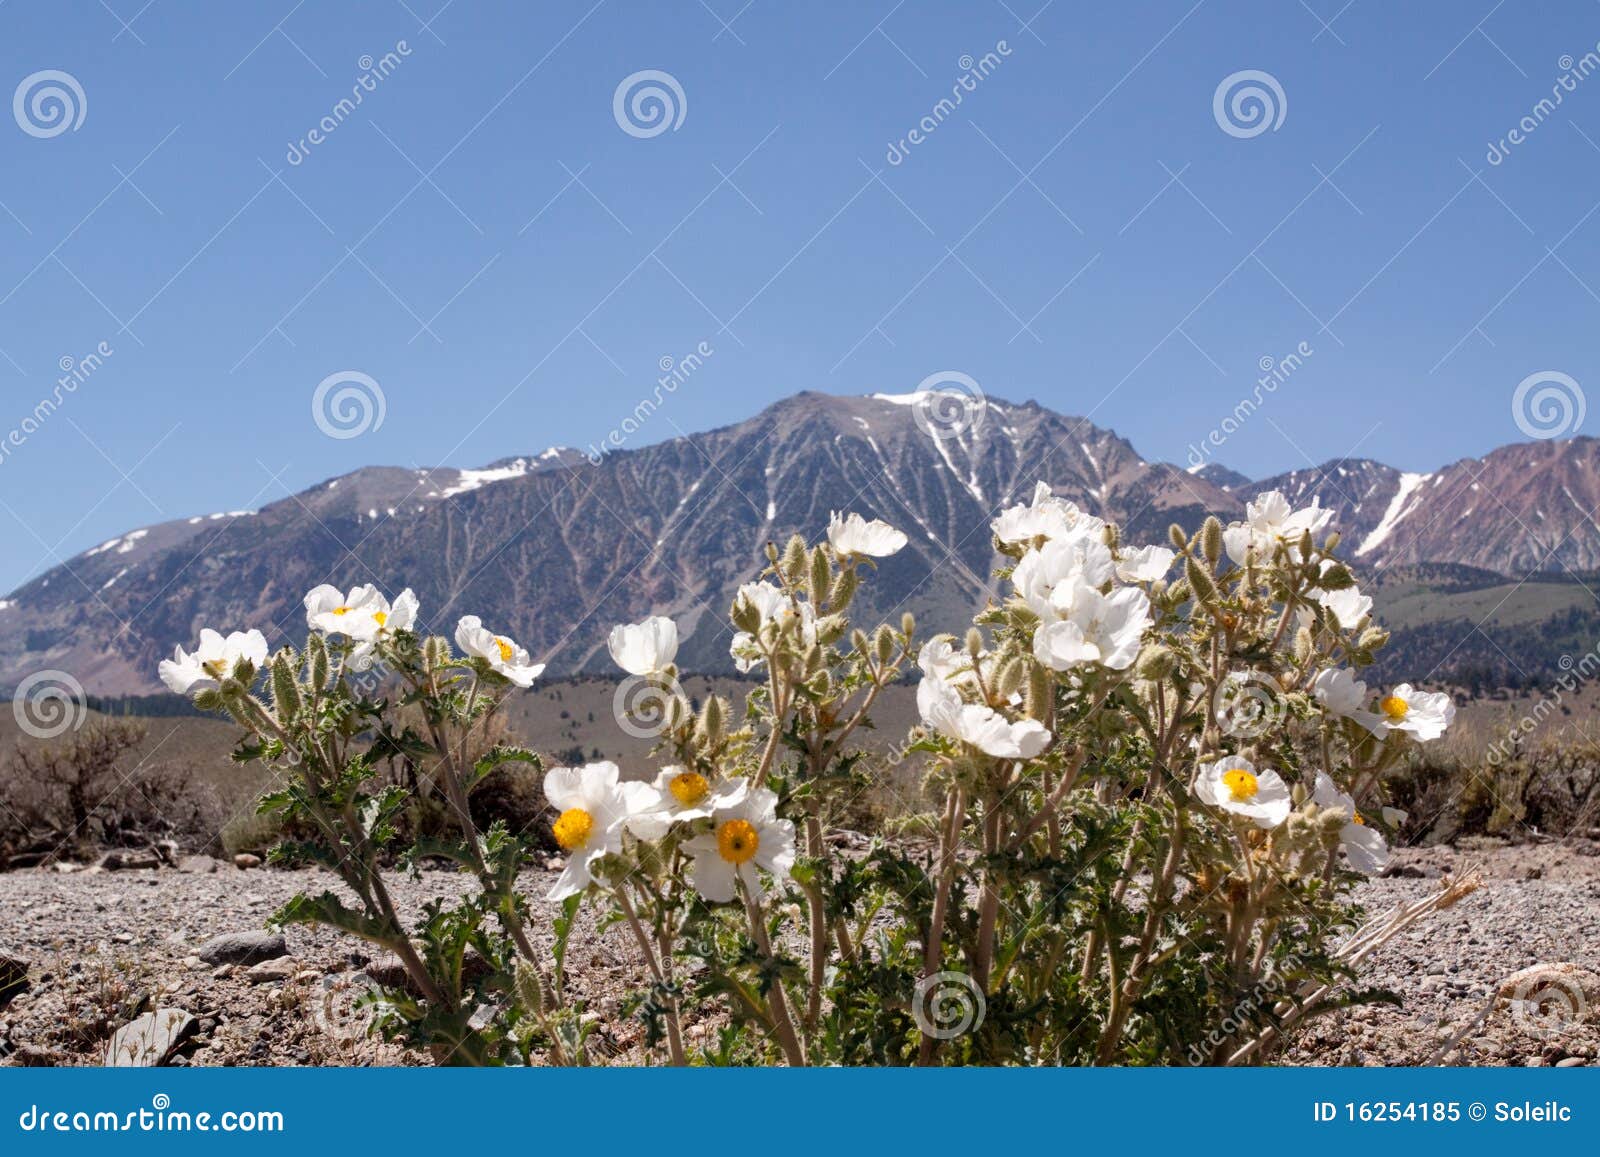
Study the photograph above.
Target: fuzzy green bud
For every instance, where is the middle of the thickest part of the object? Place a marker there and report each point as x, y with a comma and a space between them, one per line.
1156, 664
793, 566
1373, 638
974, 642
1112, 535
1041, 692
1008, 680
1302, 644
821, 576
883, 643
908, 624
1200, 581
285, 690
317, 651
1179, 540
1211, 540
712, 720
844, 589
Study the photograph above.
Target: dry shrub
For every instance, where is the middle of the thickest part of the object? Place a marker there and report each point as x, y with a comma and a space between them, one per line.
88, 790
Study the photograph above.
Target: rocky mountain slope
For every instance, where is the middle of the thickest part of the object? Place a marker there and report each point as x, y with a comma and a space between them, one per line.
554, 548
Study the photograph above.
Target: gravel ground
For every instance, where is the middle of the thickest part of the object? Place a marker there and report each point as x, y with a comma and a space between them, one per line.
105, 946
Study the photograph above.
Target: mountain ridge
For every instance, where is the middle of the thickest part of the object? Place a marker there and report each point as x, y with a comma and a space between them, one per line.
554, 547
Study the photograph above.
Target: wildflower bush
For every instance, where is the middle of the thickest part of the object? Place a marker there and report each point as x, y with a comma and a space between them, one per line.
1150, 780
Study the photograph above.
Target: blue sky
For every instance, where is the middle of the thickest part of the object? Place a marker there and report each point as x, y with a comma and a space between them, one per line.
483, 239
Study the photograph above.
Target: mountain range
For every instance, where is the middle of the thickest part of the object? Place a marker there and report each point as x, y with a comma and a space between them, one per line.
1482, 568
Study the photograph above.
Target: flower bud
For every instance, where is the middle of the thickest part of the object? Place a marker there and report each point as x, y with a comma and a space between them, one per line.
793, 567
1373, 638
883, 643
712, 719
529, 992
908, 624
1008, 680
974, 642
1041, 692
821, 576
1331, 543
1180, 541
1211, 540
1302, 644
317, 649
844, 589
1156, 663
1200, 580
285, 691
1111, 533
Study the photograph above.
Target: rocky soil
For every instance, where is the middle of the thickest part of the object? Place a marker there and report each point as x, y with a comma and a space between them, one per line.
128, 963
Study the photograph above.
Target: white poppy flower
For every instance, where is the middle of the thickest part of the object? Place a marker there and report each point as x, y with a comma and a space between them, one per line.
1098, 628
1270, 520
1045, 517
352, 615
745, 834
1348, 606
646, 648
678, 794
212, 661
593, 807
1049, 578
1234, 785
982, 727
1342, 693
771, 605
1367, 850
502, 655
1425, 714
851, 534
941, 659
1145, 565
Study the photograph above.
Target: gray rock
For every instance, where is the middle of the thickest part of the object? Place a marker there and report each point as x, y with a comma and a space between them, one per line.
271, 971
150, 1040
243, 948
199, 865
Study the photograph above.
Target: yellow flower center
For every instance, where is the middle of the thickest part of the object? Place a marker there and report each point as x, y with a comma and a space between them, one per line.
688, 788
1241, 785
505, 649
1395, 708
573, 829
1358, 820
216, 668
380, 618
737, 841
341, 610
